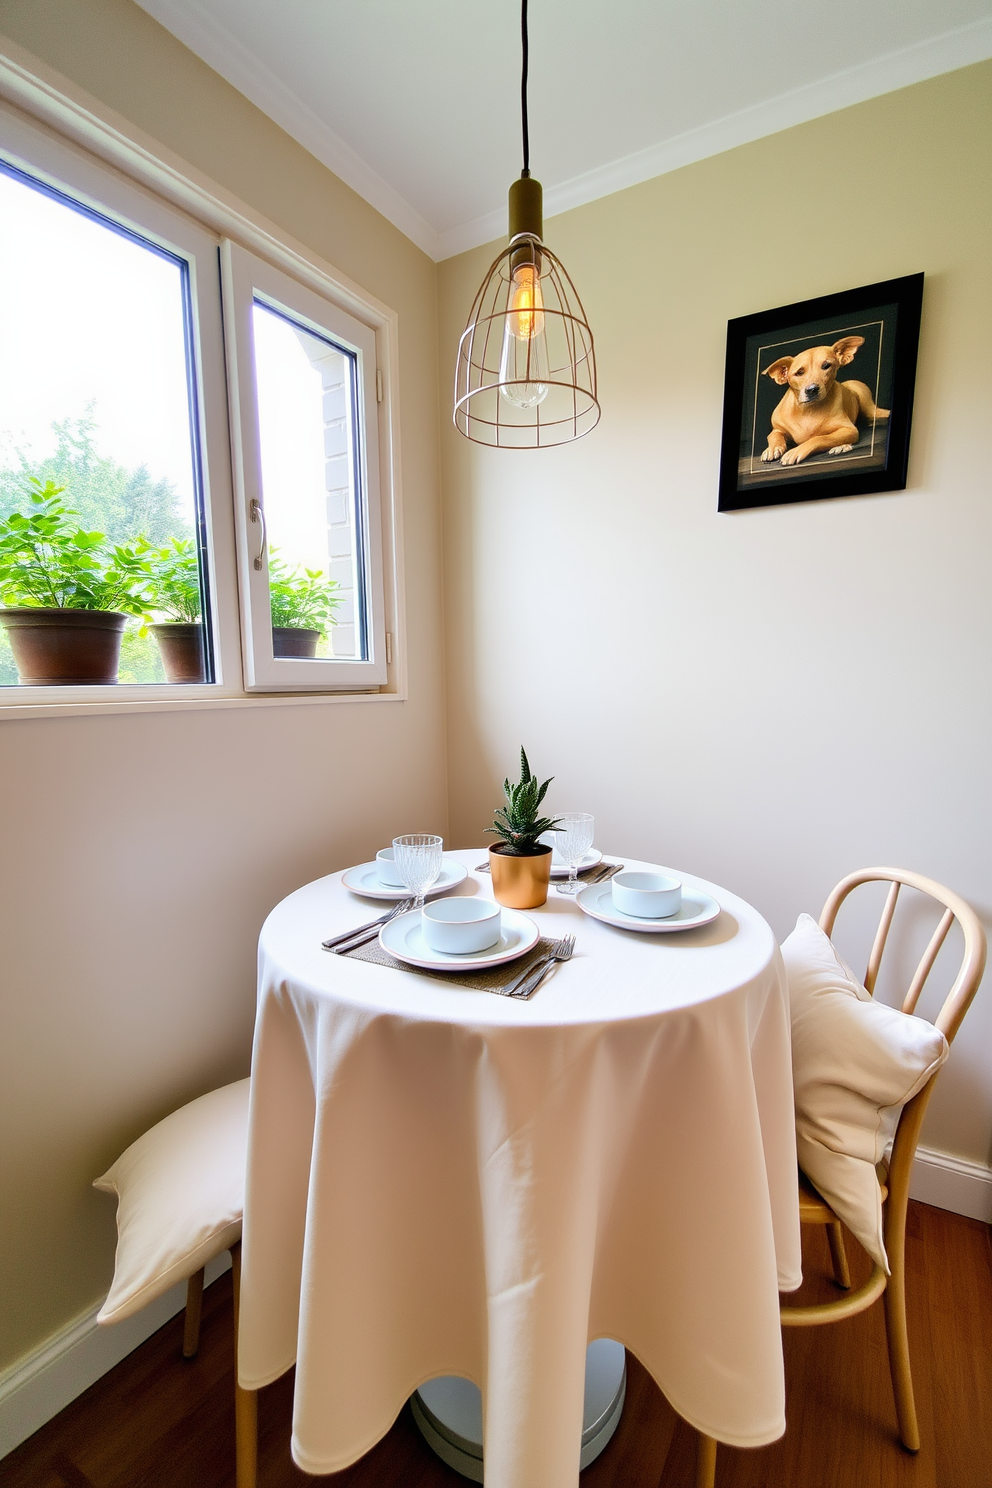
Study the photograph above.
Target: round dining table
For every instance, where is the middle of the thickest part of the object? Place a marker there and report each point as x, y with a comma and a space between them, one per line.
446, 1182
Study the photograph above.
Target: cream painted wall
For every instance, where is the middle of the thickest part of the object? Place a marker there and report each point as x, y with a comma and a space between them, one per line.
766, 698
141, 854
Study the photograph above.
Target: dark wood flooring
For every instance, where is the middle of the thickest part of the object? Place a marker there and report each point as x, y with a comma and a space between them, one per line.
157, 1421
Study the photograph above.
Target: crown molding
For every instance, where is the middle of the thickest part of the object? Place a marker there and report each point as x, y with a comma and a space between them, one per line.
899, 69
192, 24
197, 29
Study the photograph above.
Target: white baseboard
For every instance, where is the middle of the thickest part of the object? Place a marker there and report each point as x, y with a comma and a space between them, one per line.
45, 1381
37, 1387
951, 1183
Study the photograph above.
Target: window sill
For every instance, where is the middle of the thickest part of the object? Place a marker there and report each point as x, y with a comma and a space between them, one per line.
192, 701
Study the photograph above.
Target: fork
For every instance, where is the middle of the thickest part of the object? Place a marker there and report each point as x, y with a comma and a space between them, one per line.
348, 939
536, 977
560, 951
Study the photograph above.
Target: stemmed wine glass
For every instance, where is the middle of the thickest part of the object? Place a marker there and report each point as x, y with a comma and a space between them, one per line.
417, 858
573, 839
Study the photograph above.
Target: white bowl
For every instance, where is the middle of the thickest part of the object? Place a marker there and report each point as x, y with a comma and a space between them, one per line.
460, 926
647, 896
386, 866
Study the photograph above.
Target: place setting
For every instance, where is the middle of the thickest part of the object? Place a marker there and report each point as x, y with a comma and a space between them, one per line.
473, 940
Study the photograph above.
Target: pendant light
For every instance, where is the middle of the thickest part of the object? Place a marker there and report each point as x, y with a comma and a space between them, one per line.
526, 371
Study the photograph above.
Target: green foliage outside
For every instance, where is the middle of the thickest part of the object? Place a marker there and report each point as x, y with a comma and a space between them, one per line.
517, 822
124, 504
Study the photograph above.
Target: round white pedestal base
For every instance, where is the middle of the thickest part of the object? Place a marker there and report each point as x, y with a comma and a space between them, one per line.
449, 1411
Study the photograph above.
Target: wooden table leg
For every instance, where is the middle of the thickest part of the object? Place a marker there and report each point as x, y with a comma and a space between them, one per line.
245, 1401
705, 1462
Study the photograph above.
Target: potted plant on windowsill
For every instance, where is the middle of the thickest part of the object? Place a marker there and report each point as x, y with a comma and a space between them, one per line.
303, 602
66, 594
175, 593
520, 863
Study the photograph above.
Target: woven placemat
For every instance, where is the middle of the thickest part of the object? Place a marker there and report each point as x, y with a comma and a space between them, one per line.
491, 979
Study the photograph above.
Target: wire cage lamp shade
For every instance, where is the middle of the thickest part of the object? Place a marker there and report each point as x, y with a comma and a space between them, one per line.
525, 377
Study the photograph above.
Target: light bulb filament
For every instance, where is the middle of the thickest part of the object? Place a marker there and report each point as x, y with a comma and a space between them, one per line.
526, 303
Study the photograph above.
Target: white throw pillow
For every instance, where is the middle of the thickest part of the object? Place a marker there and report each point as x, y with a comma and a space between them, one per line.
180, 1197
855, 1063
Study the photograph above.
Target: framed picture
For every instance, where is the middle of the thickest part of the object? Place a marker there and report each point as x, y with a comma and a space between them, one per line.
818, 397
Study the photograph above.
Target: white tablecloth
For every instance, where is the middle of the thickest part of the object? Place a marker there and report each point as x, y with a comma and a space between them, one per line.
443, 1181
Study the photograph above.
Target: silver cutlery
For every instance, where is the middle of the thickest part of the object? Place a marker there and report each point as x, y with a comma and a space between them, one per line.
537, 973
561, 950
606, 871
348, 939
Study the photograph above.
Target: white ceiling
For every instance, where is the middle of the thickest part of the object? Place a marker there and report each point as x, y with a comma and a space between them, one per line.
417, 106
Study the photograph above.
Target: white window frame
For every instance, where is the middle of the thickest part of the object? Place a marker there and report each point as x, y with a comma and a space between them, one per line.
45, 158
246, 277
52, 130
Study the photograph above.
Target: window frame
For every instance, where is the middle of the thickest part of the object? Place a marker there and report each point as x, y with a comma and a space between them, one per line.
247, 278
51, 130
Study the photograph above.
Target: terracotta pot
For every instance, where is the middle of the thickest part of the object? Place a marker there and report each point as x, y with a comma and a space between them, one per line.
181, 645
64, 648
293, 640
520, 883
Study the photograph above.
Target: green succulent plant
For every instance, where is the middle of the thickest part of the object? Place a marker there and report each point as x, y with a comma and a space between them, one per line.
517, 822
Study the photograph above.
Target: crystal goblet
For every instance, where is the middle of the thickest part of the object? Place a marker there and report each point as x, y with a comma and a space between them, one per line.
573, 839
417, 859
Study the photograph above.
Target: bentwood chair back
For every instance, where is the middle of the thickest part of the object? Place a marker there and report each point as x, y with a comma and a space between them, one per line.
894, 1179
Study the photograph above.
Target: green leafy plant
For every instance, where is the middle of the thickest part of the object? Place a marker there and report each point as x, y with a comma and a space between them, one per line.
517, 822
304, 599
49, 562
175, 579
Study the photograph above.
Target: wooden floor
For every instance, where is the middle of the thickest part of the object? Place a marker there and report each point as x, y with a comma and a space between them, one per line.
159, 1422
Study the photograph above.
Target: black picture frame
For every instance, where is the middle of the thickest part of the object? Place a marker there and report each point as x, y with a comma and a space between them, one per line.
885, 317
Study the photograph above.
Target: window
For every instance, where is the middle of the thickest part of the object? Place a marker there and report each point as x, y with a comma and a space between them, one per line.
303, 390
207, 422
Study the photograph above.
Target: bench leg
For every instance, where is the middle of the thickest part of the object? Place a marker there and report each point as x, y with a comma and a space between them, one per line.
194, 1308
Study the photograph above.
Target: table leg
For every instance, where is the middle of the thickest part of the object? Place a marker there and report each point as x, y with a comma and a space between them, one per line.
705, 1462
245, 1401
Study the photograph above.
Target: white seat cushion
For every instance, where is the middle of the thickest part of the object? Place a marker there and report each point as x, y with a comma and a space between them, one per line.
180, 1198
855, 1063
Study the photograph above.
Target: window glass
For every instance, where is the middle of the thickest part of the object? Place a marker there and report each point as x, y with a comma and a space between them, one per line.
97, 404
306, 389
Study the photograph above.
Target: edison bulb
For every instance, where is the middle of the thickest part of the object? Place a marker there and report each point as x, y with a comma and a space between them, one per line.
523, 363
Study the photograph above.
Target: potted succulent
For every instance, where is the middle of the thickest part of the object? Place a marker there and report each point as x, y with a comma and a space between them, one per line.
66, 593
303, 604
520, 863
175, 593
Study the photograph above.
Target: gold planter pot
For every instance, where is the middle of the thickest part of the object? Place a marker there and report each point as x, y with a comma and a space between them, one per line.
520, 883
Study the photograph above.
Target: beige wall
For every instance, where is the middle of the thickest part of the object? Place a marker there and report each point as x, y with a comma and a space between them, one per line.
766, 698
141, 854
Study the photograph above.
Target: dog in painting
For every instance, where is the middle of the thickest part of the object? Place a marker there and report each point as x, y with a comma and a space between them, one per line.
818, 412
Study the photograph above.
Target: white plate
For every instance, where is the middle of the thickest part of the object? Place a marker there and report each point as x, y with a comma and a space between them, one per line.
365, 880
592, 857
404, 939
697, 909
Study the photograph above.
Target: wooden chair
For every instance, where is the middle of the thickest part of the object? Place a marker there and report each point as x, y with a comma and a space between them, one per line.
180, 1192
895, 1178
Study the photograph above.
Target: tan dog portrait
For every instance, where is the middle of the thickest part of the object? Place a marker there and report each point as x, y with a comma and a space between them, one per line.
818, 412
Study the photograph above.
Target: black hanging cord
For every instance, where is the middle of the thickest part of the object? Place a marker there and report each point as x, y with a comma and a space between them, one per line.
525, 52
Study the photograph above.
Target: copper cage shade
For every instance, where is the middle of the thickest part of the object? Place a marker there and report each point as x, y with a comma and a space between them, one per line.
570, 408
